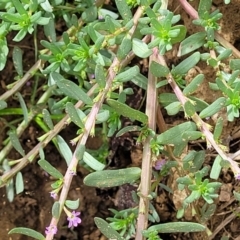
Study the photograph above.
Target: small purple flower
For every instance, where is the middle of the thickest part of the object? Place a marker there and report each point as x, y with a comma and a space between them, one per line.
237, 176
52, 229
74, 220
73, 172
159, 164
73, 143
53, 195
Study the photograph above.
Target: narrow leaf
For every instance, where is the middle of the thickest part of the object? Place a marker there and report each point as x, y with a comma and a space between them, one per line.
47, 118
23, 106
128, 129
107, 230
213, 108
124, 48
56, 210
188, 63
28, 232
218, 129
124, 10
64, 149
193, 85
92, 162
73, 114
100, 75
17, 60
140, 48
216, 168
127, 74
46, 166
126, 111
16, 143
158, 70
19, 184
177, 227
112, 178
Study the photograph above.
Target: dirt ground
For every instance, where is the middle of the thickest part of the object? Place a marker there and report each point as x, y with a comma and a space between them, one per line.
32, 207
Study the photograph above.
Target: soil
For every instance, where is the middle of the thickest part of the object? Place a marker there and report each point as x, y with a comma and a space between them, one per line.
32, 207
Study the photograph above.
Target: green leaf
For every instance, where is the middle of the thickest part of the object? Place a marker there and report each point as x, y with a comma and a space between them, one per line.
225, 54
16, 143
126, 111
235, 64
189, 109
19, 7
158, 70
56, 210
127, 74
173, 108
180, 36
218, 129
19, 183
46, 166
20, 35
188, 63
177, 227
140, 81
23, 107
92, 162
193, 85
191, 43
72, 204
73, 114
124, 10
124, 48
112, 178
28, 232
203, 7
107, 230
80, 151
191, 135
17, 60
140, 48
173, 136
64, 149
216, 168
128, 129
3, 104
100, 75
47, 118
90, 14
198, 161
70, 89
213, 108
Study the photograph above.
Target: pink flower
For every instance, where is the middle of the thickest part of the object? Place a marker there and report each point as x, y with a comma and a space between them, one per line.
237, 176
52, 229
53, 195
74, 220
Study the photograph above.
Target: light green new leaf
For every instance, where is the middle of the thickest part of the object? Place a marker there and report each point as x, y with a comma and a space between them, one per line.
188, 63
92, 162
158, 70
107, 230
64, 149
47, 118
28, 232
19, 183
126, 111
73, 114
112, 178
191, 43
140, 48
72, 204
213, 108
127, 74
56, 210
46, 166
16, 143
177, 227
